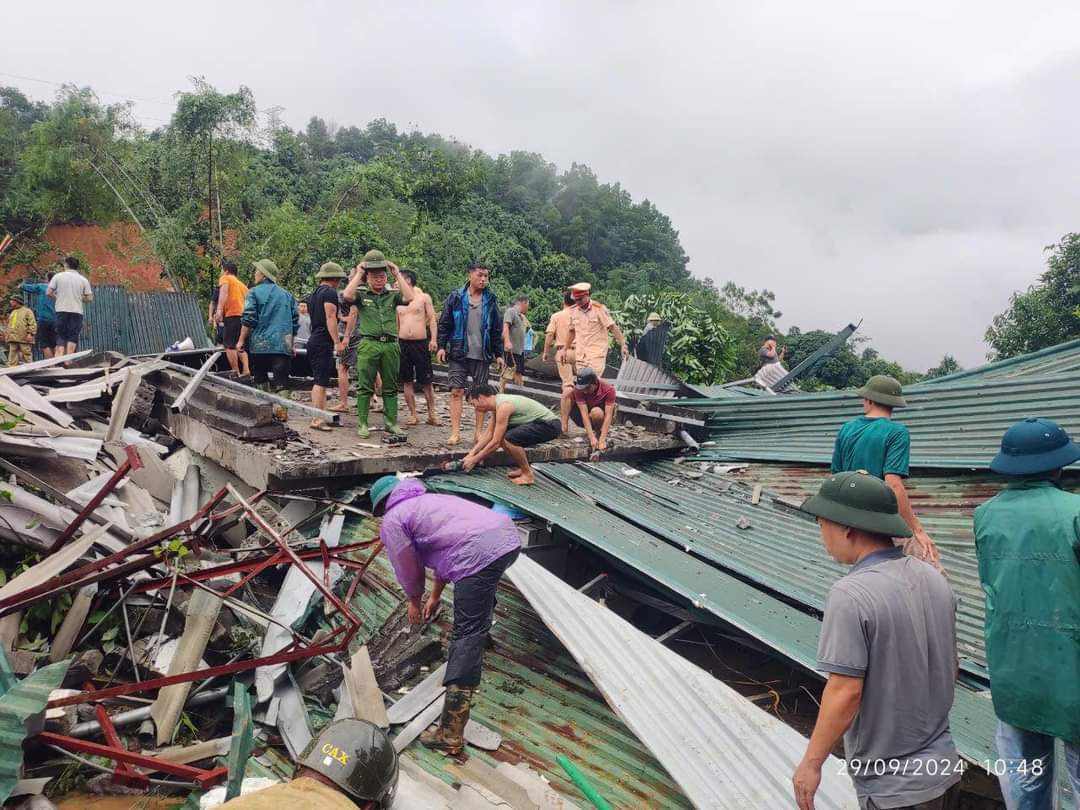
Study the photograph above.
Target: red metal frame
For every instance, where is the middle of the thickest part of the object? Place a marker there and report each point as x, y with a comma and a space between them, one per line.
123, 774
127, 758
133, 462
294, 652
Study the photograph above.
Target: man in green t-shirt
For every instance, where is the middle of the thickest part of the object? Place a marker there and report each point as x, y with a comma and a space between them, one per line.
518, 422
1027, 539
882, 447
378, 352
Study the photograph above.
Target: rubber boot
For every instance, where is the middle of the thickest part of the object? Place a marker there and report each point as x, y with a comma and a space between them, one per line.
449, 736
390, 416
363, 404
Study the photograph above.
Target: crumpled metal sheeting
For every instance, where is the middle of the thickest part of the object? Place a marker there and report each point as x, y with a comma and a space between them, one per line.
954, 426
788, 630
781, 550
292, 605
24, 700
725, 752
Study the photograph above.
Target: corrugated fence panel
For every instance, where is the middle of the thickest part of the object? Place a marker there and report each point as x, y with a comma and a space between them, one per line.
139, 323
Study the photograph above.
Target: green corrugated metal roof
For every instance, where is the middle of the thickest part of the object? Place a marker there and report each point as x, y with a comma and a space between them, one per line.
140, 323
1064, 357
24, 700
956, 426
788, 630
536, 696
781, 550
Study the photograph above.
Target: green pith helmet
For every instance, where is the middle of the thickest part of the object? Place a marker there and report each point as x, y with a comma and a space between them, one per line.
381, 488
358, 757
331, 270
375, 260
883, 390
859, 500
267, 268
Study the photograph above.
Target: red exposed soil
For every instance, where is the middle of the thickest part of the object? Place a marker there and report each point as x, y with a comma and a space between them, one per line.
116, 254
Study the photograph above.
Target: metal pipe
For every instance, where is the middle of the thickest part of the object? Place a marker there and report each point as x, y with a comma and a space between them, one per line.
133, 716
196, 381
689, 440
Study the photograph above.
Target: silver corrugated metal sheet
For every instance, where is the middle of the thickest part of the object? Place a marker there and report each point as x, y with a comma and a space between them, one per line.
724, 752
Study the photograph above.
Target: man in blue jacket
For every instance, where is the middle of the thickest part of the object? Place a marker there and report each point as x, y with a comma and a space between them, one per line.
45, 313
470, 333
268, 325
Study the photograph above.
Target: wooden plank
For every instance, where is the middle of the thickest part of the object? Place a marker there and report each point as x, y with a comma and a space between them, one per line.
419, 698
196, 381
480, 773
365, 697
755, 496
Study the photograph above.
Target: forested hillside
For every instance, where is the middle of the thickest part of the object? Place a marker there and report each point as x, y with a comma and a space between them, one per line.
223, 177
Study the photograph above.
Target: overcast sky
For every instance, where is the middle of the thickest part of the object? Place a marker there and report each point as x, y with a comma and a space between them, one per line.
906, 167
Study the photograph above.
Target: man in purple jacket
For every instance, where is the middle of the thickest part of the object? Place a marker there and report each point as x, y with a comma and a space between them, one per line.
463, 543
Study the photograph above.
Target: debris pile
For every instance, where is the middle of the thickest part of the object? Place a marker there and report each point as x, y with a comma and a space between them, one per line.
164, 621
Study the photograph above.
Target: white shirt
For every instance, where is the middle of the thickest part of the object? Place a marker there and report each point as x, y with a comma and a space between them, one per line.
70, 287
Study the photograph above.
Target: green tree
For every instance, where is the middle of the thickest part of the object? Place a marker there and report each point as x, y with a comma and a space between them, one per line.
698, 348
1046, 313
948, 365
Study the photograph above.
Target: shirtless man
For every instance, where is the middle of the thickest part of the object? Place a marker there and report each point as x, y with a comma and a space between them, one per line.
417, 333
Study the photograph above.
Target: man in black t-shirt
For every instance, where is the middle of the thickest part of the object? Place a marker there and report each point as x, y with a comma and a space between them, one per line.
325, 339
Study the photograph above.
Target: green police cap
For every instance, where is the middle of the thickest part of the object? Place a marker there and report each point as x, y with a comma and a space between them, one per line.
883, 390
860, 501
375, 260
331, 270
267, 268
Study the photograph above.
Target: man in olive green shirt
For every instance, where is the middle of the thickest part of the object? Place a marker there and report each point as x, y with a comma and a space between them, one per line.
378, 352
882, 447
1027, 539
519, 422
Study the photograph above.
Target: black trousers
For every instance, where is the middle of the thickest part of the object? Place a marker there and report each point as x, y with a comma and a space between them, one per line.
279, 364
474, 602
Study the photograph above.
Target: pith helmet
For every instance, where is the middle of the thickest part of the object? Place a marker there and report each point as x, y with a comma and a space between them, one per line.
860, 501
1034, 446
884, 390
267, 268
375, 260
358, 757
580, 289
381, 488
653, 316
331, 270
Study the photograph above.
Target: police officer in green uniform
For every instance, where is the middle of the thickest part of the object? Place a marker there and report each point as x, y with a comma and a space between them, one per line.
378, 352
1027, 539
349, 764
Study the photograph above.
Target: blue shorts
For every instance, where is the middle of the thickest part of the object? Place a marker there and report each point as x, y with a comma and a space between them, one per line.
68, 327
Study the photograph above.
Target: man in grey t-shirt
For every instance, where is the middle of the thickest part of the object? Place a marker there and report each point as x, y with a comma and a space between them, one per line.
514, 340
888, 643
